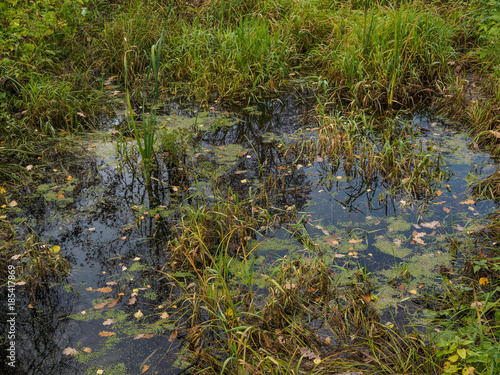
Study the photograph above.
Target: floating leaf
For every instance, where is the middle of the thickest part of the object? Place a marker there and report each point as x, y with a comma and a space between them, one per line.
29, 167
413, 291
446, 209
468, 201
13, 204
432, 224
439, 193
69, 351
138, 314
352, 240
87, 350
144, 369
20, 283
136, 259
164, 315
91, 229
106, 333
397, 241
339, 255
173, 336
113, 303
242, 153
111, 283
105, 290
69, 178
108, 322
56, 249
100, 305
89, 289
124, 268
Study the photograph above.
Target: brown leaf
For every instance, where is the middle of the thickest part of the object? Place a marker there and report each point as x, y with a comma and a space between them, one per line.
173, 336
89, 289
308, 353
243, 153
106, 333
144, 369
468, 201
352, 240
69, 351
402, 288
241, 172
105, 290
367, 299
111, 283
331, 242
113, 303
87, 350
446, 209
439, 193
432, 224
100, 305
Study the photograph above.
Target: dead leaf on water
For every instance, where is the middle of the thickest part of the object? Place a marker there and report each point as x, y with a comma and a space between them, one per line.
111, 283
13, 204
105, 290
138, 314
132, 301
144, 369
164, 315
108, 322
100, 305
432, 224
87, 350
439, 193
89, 289
352, 240
173, 336
113, 303
69, 351
106, 333
446, 209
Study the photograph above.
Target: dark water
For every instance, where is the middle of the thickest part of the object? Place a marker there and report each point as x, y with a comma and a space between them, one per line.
111, 237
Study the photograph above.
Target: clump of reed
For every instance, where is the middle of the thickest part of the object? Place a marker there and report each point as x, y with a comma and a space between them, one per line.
371, 148
232, 326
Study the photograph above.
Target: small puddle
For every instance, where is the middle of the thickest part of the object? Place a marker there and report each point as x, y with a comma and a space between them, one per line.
114, 308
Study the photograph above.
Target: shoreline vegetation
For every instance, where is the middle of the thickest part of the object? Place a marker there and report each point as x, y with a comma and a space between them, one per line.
66, 66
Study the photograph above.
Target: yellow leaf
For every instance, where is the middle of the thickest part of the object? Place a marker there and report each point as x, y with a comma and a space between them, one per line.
2, 190
87, 350
144, 369
439, 192
413, 291
100, 372
229, 312
139, 314
56, 249
69, 178
462, 353
453, 358
483, 281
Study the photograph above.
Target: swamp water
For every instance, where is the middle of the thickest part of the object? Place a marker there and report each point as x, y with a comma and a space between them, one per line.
116, 313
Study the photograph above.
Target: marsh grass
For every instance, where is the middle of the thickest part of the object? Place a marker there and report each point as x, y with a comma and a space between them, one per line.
232, 326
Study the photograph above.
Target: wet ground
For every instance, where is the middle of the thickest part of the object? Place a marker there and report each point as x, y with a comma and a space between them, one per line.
115, 306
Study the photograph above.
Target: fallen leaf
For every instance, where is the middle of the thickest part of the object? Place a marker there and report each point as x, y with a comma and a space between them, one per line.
113, 303
438, 203
106, 333
319, 159
402, 288
111, 283
397, 241
367, 299
56, 248
91, 229
242, 153
13, 204
339, 255
124, 268
30, 306
69, 351
164, 315
136, 259
144, 369
243, 181
89, 289
105, 290
100, 305
432, 224
439, 193
20, 283
328, 340
308, 353
241, 172
108, 322
468, 201
173, 336
16, 257
413, 291
446, 209
29, 167
483, 281
355, 241
100, 372
138, 314
87, 350
69, 178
